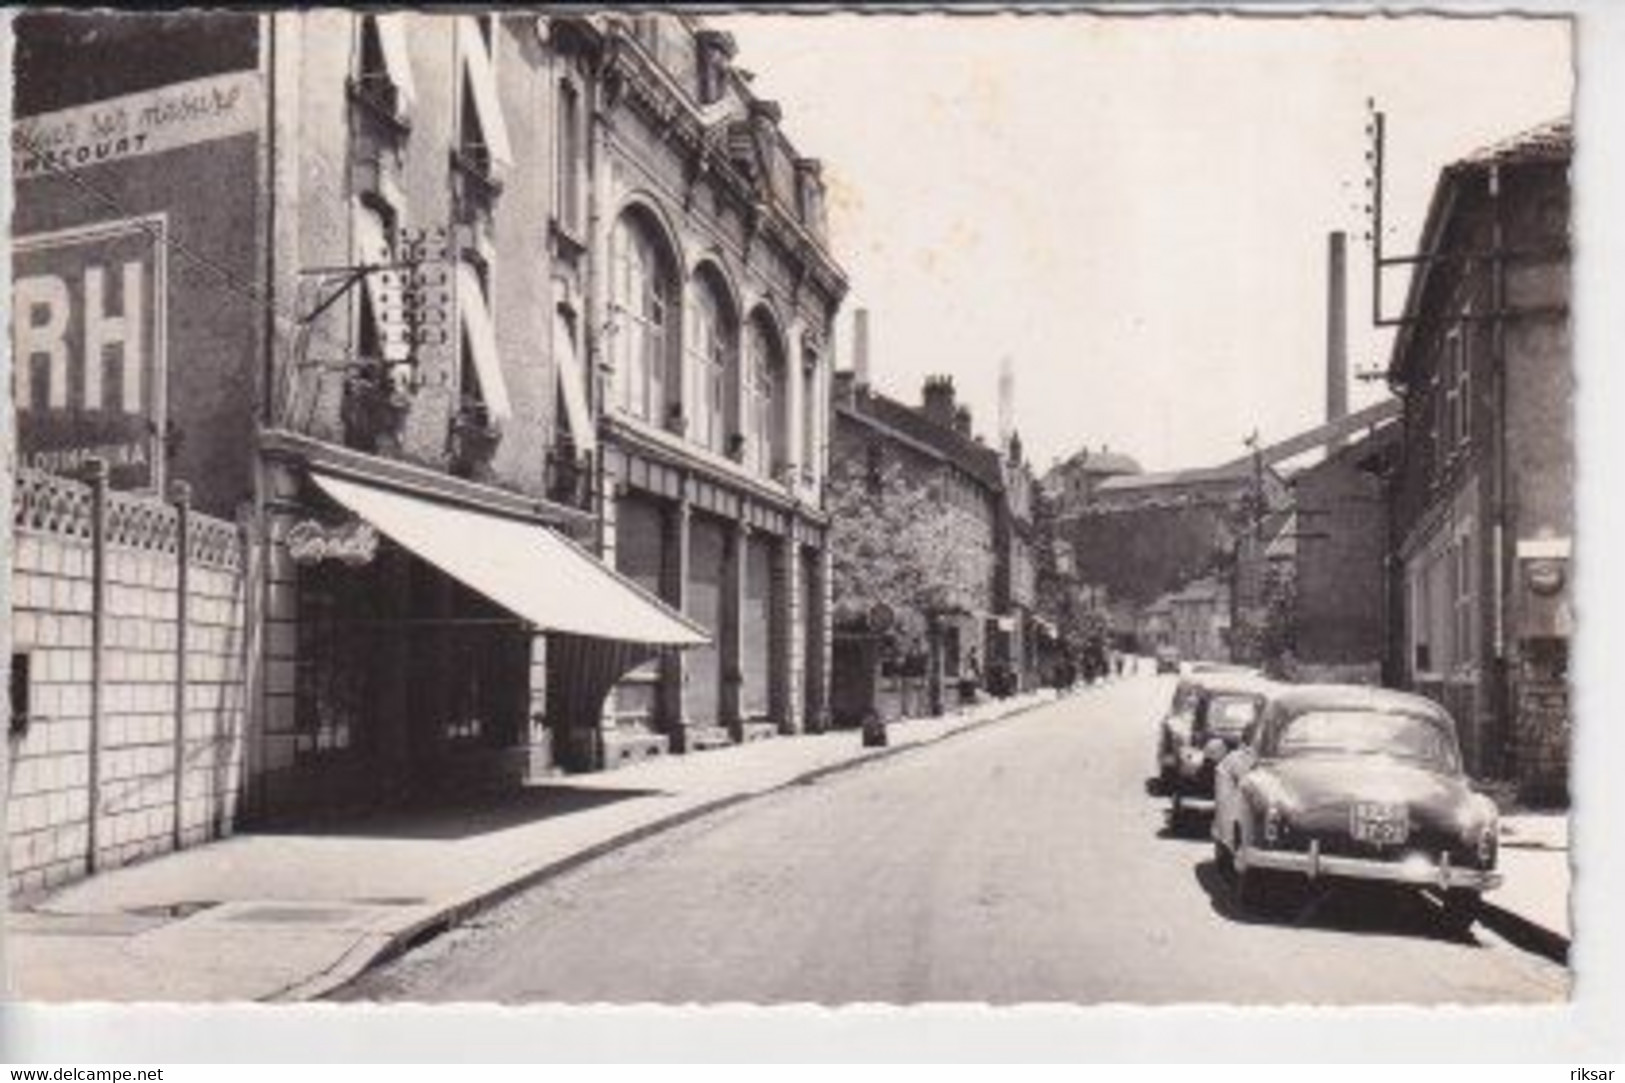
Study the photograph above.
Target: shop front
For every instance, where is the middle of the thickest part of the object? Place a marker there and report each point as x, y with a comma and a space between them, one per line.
744, 564
426, 636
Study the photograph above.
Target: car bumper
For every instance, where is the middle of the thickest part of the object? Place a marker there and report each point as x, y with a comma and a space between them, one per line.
1417, 870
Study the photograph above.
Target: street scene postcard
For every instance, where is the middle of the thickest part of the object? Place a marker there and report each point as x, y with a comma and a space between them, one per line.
583, 505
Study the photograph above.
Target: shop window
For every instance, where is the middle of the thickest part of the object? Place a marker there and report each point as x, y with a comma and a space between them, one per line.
335, 658
383, 79
21, 687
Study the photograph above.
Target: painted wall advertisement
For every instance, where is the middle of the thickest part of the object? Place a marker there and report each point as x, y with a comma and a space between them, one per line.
87, 342
90, 301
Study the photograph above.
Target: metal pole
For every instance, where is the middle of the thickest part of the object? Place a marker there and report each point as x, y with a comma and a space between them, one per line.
181, 496
1337, 393
1377, 138
97, 469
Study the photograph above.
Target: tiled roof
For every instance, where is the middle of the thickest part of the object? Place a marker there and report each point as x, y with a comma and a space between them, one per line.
978, 460
1552, 141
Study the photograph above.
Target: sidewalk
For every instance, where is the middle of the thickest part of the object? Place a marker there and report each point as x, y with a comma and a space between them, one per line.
294, 915
1531, 906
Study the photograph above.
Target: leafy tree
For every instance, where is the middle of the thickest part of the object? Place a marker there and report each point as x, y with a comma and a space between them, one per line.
898, 541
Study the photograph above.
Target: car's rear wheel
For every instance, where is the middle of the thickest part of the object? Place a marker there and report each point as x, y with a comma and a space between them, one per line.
1462, 907
1222, 860
1252, 888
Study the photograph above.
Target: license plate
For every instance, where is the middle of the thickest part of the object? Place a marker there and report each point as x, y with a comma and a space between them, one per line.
1379, 825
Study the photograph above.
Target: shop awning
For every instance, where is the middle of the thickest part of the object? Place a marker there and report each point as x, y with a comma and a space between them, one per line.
536, 573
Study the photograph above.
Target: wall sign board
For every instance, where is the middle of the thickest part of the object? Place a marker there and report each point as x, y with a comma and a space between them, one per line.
88, 348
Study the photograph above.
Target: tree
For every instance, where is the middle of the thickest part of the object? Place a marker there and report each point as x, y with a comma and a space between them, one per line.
900, 542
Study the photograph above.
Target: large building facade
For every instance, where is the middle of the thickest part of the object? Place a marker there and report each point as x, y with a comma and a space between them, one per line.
708, 298
502, 337
1483, 487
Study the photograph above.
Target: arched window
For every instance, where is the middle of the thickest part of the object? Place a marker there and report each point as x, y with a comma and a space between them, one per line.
712, 345
641, 295
763, 413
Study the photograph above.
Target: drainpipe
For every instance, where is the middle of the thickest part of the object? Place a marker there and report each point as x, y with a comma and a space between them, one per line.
1501, 693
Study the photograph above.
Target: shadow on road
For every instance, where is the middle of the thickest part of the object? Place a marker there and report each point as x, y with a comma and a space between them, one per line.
467, 816
1187, 824
1345, 908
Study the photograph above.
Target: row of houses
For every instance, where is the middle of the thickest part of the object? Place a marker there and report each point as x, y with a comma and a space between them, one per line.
456, 384
935, 533
1425, 541
410, 403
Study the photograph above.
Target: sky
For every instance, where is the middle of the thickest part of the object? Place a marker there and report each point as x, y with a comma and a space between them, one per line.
1133, 210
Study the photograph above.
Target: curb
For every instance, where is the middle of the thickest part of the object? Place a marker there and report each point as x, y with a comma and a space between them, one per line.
374, 949
1523, 933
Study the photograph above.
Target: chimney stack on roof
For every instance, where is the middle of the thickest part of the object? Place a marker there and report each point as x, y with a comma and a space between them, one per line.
937, 400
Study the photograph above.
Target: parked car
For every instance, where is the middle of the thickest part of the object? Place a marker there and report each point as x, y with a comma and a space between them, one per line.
1351, 782
1167, 660
1204, 724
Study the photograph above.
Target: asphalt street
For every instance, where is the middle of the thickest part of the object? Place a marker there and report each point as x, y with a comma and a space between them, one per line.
1023, 861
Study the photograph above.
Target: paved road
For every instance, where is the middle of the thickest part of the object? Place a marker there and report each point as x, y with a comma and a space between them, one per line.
1020, 862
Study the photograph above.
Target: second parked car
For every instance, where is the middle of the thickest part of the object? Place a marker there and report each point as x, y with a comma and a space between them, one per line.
1205, 722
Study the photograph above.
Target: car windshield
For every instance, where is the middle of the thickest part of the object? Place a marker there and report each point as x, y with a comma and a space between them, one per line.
1406, 736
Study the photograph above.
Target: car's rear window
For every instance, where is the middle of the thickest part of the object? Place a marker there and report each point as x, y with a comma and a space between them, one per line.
1231, 712
1406, 736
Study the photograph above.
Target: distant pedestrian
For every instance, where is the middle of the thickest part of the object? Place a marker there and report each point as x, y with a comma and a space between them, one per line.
971, 679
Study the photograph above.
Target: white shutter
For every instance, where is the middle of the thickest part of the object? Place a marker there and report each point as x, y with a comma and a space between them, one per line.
482, 343
397, 63
572, 384
482, 83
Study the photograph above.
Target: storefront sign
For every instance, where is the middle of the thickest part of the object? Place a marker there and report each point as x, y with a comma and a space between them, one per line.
87, 336
134, 125
354, 543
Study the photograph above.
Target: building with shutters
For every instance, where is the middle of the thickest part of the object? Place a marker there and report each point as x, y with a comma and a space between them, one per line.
983, 563
335, 272
1482, 485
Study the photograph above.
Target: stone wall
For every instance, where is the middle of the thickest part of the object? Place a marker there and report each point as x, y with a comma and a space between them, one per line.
94, 757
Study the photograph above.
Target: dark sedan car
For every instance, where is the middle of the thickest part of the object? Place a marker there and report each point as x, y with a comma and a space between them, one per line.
1205, 722
1341, 781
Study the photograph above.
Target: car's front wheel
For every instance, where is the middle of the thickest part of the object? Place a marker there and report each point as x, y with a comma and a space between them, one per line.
1462, 907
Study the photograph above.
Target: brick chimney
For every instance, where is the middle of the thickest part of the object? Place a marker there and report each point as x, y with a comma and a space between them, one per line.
937, 400
962, 421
